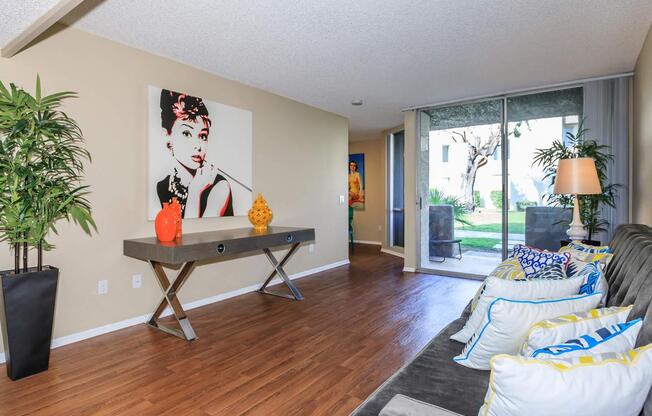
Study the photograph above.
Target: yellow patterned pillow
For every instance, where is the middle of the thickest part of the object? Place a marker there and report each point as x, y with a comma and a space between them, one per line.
510, 269
582, 257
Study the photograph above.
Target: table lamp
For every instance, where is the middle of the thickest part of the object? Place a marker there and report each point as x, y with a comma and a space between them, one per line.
575, 177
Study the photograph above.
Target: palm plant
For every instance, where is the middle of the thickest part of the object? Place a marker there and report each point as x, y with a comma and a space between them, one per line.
579, 146
41, 168
460, 210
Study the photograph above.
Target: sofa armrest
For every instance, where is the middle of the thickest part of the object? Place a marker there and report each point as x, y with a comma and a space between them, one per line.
401, 405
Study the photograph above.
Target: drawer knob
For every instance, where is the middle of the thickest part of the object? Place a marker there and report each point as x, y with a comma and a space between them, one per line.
221, 248
289, 238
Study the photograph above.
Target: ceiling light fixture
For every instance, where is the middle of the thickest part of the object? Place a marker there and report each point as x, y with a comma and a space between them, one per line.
356, 103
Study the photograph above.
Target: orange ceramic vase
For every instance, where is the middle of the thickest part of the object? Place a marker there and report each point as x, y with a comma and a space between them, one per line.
260, 215
166, 224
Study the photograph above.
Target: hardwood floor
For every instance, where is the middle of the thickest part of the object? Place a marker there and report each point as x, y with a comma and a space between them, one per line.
256, 355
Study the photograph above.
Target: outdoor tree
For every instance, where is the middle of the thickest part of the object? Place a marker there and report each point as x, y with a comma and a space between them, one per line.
479, 149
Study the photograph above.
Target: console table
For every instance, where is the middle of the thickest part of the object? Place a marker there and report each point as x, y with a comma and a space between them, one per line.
210, 245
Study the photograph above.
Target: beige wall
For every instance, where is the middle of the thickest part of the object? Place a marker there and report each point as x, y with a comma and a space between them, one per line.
642, 170
299, 163
369, 223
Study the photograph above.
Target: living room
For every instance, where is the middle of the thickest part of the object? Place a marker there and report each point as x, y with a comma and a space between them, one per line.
264, 208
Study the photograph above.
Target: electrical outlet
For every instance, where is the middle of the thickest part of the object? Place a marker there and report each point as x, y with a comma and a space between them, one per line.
380, 228
136, 281
342, 200
102, 287
311, 248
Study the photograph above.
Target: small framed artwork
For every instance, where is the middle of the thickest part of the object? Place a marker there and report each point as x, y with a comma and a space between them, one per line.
200, 152
356, 180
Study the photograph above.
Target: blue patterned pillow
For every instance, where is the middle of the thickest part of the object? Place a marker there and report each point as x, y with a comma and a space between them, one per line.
618, 338
594, 280
554, 271
533, 260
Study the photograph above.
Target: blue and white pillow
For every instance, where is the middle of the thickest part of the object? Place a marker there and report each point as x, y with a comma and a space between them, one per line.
594, 280
618, 338
533, 260
593, 277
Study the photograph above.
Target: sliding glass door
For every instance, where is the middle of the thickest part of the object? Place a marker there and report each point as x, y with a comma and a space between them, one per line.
460, 182
479, 190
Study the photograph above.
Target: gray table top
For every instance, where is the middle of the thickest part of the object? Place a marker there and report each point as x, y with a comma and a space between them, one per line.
211, 244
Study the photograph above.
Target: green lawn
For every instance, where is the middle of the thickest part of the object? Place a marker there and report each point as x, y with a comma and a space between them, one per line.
516, 221
480, 243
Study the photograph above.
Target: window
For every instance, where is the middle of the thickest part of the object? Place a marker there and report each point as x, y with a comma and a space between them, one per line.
569, 125
395, 168
444, 153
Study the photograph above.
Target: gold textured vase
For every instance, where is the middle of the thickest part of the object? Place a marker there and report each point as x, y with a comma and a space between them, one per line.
260, 215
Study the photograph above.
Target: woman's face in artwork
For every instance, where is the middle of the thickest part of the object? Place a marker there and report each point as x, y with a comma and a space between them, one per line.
188, 142
353, 167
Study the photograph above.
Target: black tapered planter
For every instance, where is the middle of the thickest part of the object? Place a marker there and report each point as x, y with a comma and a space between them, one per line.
27, 314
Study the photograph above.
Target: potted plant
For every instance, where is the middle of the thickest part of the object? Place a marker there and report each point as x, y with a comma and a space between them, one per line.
41, 167
579, 146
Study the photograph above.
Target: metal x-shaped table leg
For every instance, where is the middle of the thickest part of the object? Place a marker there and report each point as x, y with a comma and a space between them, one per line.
278, 269
170, 298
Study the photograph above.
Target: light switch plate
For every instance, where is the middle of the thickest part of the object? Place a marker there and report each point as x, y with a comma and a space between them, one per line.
102, 287
136, 281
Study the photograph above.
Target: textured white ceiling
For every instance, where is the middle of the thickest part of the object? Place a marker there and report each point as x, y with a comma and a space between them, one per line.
16, 16
391, 53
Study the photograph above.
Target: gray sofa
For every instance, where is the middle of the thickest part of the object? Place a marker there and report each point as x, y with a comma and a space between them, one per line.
433, 378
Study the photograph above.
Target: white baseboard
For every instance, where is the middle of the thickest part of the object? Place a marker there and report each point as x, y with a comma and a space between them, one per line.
375, 243
105, 329
409, 269
392, 252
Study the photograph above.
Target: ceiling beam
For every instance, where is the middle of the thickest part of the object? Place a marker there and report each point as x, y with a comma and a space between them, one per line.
40, 25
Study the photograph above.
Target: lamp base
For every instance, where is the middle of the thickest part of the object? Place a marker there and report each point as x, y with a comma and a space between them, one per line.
576, 232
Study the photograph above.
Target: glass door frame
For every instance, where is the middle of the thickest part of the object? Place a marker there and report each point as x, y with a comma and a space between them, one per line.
389, 217
504, 152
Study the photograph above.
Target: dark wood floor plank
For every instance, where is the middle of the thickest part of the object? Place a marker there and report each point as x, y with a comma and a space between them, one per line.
256, 355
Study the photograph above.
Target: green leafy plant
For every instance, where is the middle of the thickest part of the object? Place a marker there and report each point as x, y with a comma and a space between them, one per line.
496, 198
460, 211
41, 169
579, 146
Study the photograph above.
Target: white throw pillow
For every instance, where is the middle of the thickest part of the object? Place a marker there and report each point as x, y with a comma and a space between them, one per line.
528, 289
509, 269
613, 338
562, 328
505, 325
593, 385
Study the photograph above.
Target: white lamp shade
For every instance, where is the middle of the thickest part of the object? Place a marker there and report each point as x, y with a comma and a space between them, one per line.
577, 177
